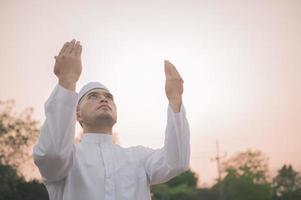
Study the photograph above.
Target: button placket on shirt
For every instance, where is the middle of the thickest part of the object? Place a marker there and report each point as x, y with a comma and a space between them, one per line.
109, 178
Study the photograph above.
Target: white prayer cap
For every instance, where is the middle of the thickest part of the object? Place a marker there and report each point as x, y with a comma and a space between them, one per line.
90, 86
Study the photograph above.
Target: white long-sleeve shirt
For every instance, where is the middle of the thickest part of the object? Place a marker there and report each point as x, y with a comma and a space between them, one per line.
97, 169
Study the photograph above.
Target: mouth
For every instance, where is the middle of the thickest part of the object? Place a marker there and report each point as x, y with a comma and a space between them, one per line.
104, 106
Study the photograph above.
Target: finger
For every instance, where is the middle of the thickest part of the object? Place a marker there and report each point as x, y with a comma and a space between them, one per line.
79, 51
76, 46
167, 67
64, 48
173, 70
69, 48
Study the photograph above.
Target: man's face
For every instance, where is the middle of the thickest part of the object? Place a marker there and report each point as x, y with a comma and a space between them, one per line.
97, 107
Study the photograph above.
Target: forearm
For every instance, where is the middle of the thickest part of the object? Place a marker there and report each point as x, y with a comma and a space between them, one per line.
175, 104
177, 139
163, 164
53, 153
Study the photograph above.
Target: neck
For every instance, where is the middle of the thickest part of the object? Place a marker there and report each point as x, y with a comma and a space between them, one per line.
106, 130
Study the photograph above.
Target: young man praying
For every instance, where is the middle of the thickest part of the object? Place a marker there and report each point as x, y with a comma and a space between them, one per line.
97, 169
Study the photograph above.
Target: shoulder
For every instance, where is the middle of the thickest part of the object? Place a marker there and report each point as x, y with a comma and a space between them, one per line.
141, 149
138, 151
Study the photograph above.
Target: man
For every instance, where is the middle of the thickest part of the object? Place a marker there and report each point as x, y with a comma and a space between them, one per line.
97, 169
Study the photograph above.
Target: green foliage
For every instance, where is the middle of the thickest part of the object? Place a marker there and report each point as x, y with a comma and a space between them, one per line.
244, 187
32, 190
249, 163
180, 187
8, 181
13, 187
206, 194
287, 184
18, 132
246, 177
188, 177
164, 192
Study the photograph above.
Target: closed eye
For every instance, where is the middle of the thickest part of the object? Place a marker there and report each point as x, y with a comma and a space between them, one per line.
110, 96
92, 95
96, 95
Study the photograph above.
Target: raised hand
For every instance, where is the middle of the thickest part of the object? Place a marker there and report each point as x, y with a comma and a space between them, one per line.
68, 65
173, 86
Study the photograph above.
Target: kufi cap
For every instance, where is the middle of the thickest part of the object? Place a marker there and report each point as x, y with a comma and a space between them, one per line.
90, 86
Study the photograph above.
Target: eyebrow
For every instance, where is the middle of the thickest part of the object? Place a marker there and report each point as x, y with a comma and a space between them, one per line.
105, 93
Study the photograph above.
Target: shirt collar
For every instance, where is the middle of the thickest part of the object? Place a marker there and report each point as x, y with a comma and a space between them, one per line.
99, 138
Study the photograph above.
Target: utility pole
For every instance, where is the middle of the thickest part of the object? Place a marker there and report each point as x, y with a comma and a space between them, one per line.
218, 159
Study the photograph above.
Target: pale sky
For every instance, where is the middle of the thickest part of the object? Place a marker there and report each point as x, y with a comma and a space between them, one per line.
240, 61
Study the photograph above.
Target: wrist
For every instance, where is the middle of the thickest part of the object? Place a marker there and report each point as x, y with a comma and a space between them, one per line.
68, 84
175, 104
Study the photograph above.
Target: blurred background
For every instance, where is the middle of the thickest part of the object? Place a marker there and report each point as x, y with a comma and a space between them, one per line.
241, 65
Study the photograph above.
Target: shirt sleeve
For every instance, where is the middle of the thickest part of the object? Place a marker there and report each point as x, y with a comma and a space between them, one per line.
173, 159
53, 154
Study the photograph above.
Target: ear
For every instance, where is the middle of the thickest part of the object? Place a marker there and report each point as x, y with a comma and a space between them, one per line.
78, 117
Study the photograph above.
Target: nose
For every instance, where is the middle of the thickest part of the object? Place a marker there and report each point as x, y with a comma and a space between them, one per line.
103, 99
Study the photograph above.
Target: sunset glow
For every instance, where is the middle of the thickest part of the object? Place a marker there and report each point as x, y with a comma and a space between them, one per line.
240, 61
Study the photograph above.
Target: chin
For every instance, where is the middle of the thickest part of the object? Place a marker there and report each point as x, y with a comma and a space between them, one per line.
105, 119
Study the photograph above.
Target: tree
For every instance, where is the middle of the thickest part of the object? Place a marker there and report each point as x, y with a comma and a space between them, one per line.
188, 178
249, 163
246, 177
287, 184
179, 188
18, 133
14, 187
8, 182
